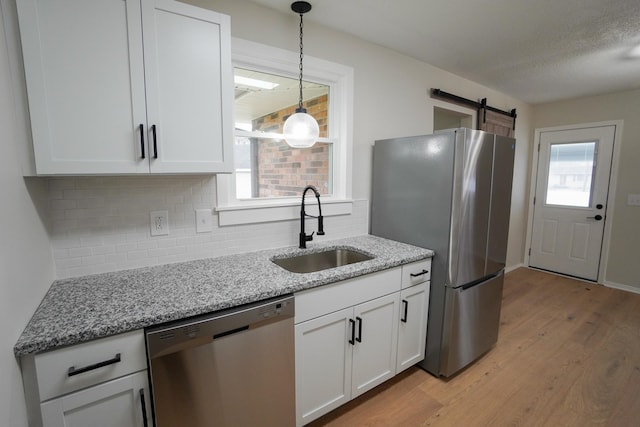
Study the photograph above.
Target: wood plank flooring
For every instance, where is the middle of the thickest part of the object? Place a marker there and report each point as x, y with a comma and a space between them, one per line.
568, 354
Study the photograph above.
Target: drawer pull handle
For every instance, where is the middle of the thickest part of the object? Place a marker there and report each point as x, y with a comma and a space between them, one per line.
405, 303
422, 273
73, 371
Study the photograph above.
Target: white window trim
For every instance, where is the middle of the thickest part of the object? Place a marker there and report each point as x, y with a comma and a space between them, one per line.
339, 78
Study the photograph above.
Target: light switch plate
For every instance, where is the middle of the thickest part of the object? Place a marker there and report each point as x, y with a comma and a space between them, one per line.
204, 220
159, 221
633, 199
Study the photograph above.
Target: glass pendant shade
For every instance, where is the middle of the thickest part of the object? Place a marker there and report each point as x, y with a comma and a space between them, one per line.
301, 130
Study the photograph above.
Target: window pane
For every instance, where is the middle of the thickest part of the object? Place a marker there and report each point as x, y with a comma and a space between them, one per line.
264, 101
270, 168
266, 166
570, 179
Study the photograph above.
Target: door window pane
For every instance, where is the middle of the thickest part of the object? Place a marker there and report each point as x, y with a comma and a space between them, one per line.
265, 166
571, 168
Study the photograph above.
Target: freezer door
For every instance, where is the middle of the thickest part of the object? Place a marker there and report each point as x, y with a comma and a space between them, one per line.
504, 150
471, 206
472, 318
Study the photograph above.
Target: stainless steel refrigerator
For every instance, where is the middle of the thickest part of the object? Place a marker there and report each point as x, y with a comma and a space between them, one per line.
450, 192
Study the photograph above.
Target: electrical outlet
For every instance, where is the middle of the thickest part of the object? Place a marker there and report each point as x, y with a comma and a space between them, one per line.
159, 223
204, 220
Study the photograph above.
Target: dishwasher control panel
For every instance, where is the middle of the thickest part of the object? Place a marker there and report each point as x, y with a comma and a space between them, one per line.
174, 336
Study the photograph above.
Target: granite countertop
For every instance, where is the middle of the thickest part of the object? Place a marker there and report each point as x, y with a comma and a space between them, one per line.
84, 308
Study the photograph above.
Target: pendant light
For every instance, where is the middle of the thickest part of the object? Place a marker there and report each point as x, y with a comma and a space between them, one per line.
301, 130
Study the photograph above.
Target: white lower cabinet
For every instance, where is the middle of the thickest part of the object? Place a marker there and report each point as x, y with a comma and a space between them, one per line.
374, 350
414, 310
354, 335
323, 364
101, 383
123, 402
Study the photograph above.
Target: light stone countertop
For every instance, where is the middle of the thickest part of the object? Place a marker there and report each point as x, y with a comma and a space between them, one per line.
84, 308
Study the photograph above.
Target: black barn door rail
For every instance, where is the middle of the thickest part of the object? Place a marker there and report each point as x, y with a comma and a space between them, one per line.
480, 106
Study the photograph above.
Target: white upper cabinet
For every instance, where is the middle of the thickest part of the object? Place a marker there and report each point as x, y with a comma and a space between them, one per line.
127, 86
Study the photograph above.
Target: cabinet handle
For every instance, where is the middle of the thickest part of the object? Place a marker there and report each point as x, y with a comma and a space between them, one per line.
359, 339
155, 142
73, 371
141, 128
405, 303
353, 332
143, 404
423, 272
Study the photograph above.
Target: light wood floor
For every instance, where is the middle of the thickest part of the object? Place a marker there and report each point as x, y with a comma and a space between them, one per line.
568, 354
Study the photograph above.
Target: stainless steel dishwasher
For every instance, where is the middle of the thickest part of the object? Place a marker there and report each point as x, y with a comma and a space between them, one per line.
230, 368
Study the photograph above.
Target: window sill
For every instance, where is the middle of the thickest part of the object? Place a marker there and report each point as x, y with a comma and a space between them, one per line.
281, 211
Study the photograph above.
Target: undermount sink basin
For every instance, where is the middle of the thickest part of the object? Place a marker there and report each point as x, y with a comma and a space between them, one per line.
321, 260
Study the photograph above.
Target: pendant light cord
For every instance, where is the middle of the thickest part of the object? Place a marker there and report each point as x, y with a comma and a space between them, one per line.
301, 46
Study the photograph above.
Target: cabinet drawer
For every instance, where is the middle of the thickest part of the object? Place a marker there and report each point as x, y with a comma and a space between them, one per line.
336, 296
52, 369
416, 272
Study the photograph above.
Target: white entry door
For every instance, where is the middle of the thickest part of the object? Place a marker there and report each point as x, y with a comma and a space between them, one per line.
570, 201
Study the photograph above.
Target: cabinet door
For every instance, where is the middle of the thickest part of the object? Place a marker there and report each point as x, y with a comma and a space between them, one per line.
189, 87
323, 364
85, 84
375, 350
412, 330
117, 402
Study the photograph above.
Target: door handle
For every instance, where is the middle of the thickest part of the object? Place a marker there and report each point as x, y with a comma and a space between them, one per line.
405, 303
141, 128
143, 404
597, 217
353, 331
359, 339
155, 142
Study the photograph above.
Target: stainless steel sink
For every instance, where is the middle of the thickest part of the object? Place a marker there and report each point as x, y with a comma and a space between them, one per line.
321, 260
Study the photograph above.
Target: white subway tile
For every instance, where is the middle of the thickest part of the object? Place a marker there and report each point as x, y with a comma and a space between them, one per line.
138, 254
79, 252
93, 260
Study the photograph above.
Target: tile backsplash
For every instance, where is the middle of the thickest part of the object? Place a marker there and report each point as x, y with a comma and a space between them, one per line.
101, 224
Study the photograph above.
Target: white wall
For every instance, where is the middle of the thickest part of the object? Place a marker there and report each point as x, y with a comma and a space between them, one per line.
624, 247
26, 266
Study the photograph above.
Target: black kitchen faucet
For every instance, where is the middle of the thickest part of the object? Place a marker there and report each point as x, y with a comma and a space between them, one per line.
303, 237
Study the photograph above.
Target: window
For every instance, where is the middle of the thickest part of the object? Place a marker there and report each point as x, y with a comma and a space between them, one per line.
265, 165
269, 175
571, 168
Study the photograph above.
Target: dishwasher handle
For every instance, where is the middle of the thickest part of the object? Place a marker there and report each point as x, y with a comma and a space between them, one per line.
230, 332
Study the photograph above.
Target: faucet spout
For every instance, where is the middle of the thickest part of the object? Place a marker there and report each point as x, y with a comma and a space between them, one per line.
304, 238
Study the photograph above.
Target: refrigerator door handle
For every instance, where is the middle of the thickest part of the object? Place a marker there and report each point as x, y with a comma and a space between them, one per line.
478, 281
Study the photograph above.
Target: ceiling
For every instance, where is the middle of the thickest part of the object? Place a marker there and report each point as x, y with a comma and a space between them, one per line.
536, 51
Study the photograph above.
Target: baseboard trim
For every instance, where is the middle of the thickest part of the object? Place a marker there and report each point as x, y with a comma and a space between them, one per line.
513, 267
622, 287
